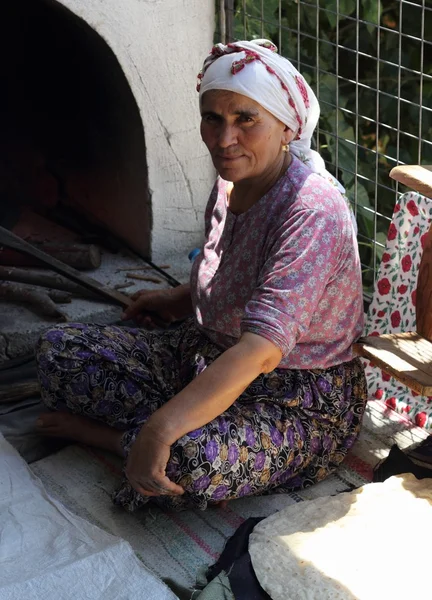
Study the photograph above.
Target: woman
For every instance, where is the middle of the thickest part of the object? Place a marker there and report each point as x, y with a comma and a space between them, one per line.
259, 388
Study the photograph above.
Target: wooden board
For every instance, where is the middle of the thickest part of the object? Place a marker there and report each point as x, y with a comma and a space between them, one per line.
416, 177
406, 356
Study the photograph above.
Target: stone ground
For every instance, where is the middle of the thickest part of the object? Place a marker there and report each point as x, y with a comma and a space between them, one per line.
20, 327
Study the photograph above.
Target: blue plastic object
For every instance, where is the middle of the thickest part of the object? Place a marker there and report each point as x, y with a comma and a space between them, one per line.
193, 254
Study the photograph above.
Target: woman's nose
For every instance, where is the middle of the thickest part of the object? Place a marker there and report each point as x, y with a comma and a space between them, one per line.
227, 136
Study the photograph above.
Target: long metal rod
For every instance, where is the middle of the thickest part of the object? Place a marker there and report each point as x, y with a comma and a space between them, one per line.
262, 20
422, 45
280, 26
317, 66
229, 9
356, 127
377, 133
399, 81
222, 21
337, 87
299, 42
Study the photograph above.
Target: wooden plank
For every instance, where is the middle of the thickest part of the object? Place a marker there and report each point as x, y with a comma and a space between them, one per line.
10, 240
406, 356
416, 177
404, 378
409, 347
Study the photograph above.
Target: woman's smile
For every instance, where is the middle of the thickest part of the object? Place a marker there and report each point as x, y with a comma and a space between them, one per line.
227, 160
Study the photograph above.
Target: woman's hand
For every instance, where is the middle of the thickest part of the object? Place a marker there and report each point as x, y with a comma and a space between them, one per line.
146, 466
159, 308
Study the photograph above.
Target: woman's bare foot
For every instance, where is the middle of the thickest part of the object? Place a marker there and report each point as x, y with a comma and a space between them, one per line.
80, 429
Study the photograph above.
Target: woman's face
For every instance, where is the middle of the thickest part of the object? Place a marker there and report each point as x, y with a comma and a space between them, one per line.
243, 138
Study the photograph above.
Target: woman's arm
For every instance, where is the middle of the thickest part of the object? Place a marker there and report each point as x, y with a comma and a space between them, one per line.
206, 397
216, 388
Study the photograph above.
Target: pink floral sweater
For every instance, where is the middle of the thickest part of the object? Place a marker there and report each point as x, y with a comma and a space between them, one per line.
287, 269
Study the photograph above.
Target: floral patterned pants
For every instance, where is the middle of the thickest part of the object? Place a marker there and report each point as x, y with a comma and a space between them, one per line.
289, 429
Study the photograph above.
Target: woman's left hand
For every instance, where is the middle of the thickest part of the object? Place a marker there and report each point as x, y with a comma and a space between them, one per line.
146, 466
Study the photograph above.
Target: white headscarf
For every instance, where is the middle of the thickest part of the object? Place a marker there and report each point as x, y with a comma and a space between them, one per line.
254, 69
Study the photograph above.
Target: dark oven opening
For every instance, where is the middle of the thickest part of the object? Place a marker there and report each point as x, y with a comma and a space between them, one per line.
72, 149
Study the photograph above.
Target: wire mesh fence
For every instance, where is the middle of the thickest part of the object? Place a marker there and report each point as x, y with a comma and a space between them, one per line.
370, 64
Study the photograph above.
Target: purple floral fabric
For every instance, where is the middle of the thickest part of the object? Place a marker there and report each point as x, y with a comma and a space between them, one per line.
289, 429
288, 270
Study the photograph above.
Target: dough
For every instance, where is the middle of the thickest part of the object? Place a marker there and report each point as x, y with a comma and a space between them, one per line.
370, 544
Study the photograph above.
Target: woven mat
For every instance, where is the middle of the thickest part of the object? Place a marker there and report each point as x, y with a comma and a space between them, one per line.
176, 545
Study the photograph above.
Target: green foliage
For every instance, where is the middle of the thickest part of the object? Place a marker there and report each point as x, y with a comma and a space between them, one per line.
294, 29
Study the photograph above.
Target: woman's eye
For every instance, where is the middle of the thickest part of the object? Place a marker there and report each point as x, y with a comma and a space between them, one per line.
246, 120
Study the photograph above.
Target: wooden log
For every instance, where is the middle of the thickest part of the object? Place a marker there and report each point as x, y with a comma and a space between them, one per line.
10, 240
79, 256
48, 280
59, 296
39, 300
143, 277
12, 392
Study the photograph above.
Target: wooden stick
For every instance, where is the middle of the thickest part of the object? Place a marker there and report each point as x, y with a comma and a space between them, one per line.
147, 268
121, 286
143, 277
144, 268
9, 239
18, 391
79, 256
39, 300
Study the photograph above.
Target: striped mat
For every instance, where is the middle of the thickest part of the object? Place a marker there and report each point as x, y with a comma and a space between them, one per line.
176, 545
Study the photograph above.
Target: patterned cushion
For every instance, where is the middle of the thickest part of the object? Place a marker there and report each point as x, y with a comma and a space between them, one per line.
393, 305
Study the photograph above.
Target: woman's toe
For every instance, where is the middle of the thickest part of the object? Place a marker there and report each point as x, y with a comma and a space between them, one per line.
48, 420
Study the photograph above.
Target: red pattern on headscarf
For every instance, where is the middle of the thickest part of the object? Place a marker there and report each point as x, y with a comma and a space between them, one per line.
237, 66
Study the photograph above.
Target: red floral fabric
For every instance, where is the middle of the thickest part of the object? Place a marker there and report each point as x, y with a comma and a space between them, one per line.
393, 305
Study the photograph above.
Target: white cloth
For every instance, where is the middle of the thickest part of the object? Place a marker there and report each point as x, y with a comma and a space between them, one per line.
48, 553
243, 68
